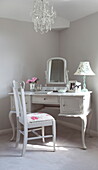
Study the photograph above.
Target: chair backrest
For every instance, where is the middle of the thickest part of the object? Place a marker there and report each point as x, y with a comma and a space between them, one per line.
24, 112
19, 98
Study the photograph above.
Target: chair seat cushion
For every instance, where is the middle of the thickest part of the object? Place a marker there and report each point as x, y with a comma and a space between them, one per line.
38, 116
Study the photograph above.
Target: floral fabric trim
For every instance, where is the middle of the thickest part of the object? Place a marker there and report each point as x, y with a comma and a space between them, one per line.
38, 116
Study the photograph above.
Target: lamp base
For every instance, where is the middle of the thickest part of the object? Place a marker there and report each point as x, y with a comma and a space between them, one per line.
84, 84
84, 90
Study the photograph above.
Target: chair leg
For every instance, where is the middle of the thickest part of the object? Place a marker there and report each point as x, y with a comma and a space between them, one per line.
18, 133
54, 134
43, 133
25, 141
84, 124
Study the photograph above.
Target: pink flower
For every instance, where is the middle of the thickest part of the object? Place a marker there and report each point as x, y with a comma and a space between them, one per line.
28, 81
33, 80
34, 118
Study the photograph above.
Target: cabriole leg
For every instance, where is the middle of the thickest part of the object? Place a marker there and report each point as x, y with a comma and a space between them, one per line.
84, 124
12, 123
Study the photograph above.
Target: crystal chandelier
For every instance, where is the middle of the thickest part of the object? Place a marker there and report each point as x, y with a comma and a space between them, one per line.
43, 16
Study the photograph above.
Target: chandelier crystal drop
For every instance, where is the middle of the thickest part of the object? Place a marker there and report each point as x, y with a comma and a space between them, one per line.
43, 16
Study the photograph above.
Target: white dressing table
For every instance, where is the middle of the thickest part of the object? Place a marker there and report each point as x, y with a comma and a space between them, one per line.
71, 105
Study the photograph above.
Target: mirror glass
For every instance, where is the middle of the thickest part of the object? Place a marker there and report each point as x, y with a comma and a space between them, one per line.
56, 71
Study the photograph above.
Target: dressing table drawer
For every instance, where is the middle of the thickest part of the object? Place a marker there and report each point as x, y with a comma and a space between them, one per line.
45, 99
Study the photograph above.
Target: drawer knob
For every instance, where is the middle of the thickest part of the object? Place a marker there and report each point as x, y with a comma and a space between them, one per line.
44, 98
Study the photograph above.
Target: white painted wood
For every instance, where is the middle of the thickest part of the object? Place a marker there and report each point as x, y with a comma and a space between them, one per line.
12, 123
12, 102
71, 105
27, 122
45, 99
76, 106
58, 73
28, 102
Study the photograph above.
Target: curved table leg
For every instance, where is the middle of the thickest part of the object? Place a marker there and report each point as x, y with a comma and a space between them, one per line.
84, 124
12, 123
89, 122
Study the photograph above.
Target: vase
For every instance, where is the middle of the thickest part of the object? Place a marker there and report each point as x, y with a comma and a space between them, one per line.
32, 86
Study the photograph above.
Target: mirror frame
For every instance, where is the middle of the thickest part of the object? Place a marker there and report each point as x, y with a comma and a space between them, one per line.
48, 71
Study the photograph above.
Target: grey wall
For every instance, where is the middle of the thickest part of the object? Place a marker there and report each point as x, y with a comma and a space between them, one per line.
80, 43
23, 54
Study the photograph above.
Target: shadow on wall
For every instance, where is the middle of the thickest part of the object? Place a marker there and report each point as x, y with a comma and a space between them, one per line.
4, 112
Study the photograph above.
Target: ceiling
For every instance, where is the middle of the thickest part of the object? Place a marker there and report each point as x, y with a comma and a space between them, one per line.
70, 9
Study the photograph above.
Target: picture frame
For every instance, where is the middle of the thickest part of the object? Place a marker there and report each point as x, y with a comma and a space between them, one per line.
74, 86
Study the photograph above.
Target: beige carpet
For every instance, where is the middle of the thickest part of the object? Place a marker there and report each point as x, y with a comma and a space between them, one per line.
68, 155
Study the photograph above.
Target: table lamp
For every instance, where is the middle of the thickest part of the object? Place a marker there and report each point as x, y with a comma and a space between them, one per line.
84, 70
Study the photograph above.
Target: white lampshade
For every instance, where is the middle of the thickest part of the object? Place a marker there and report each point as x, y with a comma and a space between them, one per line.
84, 69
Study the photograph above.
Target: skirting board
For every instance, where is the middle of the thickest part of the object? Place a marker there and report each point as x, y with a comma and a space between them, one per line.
73, 126
5, 131
92, 132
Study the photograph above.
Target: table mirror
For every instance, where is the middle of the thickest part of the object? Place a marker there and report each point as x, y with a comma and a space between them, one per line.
56, 73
